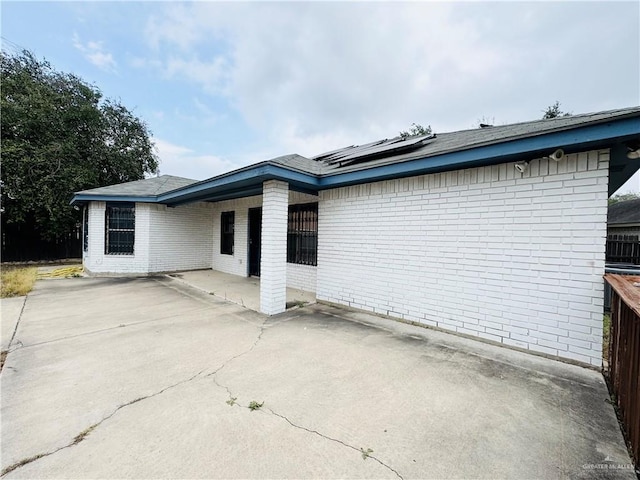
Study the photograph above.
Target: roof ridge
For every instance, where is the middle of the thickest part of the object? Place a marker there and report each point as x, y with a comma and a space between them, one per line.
622, 111
162, 184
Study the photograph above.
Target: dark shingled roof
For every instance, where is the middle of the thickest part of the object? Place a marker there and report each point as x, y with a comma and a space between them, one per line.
298, 162
627, 212
467, 139
143, 188
354, 158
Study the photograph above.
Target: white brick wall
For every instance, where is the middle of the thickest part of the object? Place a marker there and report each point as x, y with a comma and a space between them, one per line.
180, 238
166, 239
273, 259
95, 260
302, 277
488, 252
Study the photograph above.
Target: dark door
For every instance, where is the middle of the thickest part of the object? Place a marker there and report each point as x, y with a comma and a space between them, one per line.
255, 230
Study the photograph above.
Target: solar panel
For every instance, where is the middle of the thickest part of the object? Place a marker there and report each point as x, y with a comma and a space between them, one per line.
361, 153
326, 155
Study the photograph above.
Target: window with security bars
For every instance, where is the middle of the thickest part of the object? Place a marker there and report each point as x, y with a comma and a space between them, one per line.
227, 224
120, 226
302, 234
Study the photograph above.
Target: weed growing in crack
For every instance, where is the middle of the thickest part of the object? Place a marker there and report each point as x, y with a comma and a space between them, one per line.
83, 434
255, 405
366, 453
21, 463
232, 401
3, 357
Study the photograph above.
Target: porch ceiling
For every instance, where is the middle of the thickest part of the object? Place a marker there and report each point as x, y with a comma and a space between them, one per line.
621, 167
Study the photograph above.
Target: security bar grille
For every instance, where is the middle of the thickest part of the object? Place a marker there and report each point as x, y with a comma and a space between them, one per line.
120, 225
302, 234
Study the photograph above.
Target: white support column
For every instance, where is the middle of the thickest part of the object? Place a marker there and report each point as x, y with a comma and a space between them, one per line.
273, 258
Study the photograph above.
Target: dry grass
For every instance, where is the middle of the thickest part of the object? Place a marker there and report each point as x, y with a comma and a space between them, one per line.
17, 281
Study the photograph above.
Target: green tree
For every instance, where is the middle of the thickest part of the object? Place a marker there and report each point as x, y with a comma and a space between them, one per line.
623, 197
554, 111
60, 136
416, 130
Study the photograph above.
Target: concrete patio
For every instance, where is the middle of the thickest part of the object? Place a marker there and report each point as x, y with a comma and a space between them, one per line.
151, 378
244, 291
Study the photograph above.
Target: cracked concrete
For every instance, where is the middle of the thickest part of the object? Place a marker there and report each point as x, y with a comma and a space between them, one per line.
233, 402
131, 378
11, 310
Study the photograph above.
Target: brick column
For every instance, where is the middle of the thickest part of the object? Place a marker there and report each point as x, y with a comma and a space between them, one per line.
273, 258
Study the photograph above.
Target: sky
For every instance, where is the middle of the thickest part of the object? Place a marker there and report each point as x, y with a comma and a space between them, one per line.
222, 85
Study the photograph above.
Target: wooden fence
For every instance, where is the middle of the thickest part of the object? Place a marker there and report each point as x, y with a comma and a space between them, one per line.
22, 243
624, 356
623, 249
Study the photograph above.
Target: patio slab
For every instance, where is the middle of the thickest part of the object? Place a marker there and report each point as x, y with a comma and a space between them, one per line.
244, 291
150, 378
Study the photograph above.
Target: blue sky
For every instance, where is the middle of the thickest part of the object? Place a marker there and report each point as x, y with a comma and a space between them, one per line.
222, 85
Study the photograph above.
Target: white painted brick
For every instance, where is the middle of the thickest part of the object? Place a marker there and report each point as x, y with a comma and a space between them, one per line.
95, 259
273, 259
521, 255
515, 343
180, 238
302, 277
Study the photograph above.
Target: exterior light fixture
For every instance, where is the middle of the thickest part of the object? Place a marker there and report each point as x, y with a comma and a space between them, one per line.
521, 166
633, 154
557, 155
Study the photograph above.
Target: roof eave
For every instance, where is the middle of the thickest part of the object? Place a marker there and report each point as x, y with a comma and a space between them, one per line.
624, 224
82, 198
243, 182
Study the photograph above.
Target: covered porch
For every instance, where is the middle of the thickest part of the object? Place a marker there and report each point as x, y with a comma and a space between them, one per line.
265, 225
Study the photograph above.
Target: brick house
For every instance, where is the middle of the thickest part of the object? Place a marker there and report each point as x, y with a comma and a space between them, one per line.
496, 232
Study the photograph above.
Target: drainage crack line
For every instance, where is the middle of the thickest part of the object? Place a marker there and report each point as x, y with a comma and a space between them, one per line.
15, 330
226, 362
315, 432
255, 343
82, 435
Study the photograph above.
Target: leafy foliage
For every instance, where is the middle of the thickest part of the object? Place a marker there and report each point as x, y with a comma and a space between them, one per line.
554, 111
59, 136
416, 130
623, 198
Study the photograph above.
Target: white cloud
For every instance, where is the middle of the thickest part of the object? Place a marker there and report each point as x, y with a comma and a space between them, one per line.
182, 161
212, 74
95, 53
316, 76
